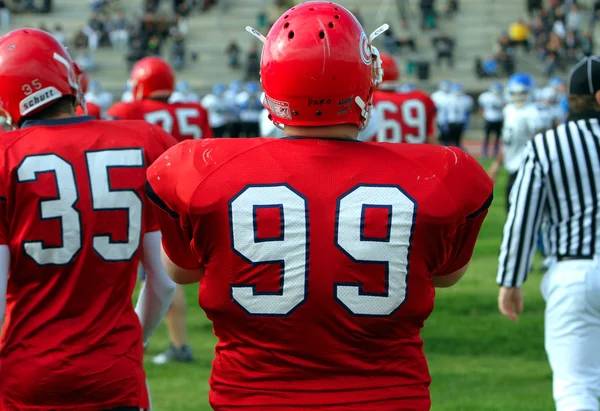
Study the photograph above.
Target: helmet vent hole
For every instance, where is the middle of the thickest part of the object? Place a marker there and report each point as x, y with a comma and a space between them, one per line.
286, 25
318, 113
330, 25
291, 35
337, 16
321, 34
311, 9
336, 9
286, 16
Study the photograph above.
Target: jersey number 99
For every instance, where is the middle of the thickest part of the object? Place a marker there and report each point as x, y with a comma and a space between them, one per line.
290, 249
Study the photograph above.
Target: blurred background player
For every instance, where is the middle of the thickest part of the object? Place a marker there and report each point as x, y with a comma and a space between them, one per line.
249, 108
184, 94
92, 109
71, 339
218, 110
404, 117
492, 104
153, 82
235, 123
97, 95
323, 212
440, 99
522, 121
457, 114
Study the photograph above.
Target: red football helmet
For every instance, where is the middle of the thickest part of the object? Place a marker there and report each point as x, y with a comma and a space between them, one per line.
391, 72
83, 82
152, 77
36, 70
318, 67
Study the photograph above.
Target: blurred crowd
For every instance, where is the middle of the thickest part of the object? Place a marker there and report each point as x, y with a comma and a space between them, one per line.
557, 32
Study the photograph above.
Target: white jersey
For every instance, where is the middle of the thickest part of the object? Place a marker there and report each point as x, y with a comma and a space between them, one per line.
521, 124
249, 107
458, 108
127, 96
218, 110
440, 99
182, 97
492, 105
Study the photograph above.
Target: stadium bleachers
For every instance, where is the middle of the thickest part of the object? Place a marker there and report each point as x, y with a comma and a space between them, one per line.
480, 23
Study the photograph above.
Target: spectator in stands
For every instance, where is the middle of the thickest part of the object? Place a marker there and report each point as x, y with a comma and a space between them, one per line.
59, 34
178, 52
233, 54
182, 7
505, 54
43, 27
151, 6
180, 25
533, 7
587, 45
571, 49
574, 21
97, 5
595, 14
552, 55
253, 64
118, 31
402, 7
80, 41
444, 48
394, 45
428, 20
519, 35
559, 27
4, 16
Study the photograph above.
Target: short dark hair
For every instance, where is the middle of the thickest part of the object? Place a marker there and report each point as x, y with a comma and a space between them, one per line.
581, 102
64, 105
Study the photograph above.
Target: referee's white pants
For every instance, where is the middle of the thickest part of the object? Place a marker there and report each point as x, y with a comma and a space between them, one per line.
571, 289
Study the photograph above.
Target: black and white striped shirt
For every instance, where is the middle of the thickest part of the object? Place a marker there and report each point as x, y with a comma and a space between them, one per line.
557, 188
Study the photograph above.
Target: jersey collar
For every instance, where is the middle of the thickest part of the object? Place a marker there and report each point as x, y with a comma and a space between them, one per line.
57, 122
321, 138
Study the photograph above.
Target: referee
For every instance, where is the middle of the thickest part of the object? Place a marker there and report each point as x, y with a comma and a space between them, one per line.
558, 188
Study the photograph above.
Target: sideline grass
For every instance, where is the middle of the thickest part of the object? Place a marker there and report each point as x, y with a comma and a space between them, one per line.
479, 360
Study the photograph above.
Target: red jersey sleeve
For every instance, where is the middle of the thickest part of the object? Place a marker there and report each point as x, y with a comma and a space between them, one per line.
172, 182
119, 111
431, 113
472, 191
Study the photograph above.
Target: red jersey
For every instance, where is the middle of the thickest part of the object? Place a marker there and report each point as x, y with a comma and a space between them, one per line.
92, 109
318, 269
184, 121
73, 212
404, 117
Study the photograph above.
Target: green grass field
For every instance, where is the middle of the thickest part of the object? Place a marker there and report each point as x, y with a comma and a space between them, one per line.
479, 360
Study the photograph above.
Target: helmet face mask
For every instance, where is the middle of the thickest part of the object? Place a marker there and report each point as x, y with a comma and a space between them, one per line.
318, 68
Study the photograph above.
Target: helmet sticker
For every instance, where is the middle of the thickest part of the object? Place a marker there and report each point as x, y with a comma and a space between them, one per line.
280, 109
365, 49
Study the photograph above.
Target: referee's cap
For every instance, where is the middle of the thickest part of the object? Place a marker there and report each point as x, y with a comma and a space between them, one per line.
584, 78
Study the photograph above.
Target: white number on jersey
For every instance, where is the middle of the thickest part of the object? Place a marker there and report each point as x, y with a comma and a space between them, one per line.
290, 251
164, 119
414, 115
103, 198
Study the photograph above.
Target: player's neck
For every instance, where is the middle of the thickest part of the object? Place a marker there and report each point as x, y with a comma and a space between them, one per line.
342, 131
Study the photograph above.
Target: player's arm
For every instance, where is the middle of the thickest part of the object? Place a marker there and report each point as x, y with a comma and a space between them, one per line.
472, 202
525, 215
172, 183
158, 290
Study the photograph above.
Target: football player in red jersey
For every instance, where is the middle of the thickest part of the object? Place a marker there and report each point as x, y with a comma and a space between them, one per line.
74, 224
91, 109
318, 270
404, 117
153, 82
